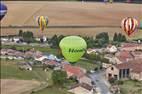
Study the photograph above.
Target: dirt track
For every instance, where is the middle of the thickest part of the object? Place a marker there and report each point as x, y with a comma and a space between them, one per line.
10, 86
70, 13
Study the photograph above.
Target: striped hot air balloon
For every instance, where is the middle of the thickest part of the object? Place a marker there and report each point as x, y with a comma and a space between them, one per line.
42, 22
129, 25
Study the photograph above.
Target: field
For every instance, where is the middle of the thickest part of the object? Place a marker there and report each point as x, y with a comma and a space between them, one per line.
52, 90
131, 87
28, 79
86, 64
11, 86
10, 70
70, 13
27, 47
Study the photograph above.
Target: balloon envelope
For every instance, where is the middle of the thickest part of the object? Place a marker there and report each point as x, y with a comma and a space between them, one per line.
73, 48
129, 25
42, 22
3, 10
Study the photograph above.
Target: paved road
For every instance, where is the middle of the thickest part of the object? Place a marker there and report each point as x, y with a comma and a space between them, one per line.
101, 83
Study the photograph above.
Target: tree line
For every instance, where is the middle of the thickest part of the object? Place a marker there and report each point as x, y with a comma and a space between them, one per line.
100, 40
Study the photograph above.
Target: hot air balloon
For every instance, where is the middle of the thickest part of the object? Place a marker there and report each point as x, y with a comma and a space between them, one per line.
73, 48
129, 25
42, 22
3, 10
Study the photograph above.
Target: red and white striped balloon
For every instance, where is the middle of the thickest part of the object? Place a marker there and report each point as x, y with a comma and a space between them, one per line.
129, 25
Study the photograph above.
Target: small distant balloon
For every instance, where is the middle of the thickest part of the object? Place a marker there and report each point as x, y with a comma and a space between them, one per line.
42, 22
73, 48
129, 25
3, 10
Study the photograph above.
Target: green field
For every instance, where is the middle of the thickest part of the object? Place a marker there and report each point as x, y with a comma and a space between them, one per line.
10, 70
86, 64
131, 87
26, 47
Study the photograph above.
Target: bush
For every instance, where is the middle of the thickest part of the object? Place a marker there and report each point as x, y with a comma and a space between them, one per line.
112, 80
59, 77
119, 82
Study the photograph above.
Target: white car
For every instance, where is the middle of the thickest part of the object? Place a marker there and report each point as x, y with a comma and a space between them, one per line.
92, 71
98, 90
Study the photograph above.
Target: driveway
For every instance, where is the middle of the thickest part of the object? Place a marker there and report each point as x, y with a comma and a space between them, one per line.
101, 84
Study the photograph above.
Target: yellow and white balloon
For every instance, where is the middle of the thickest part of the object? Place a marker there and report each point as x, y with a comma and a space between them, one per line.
42, 22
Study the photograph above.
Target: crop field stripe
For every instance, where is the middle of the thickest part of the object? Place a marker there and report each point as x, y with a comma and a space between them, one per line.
63, 26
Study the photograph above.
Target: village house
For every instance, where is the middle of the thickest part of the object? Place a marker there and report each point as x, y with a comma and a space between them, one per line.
118, 58
81, 88
111, 49
40, 58
85, 79
24, 66
3, 51
74, 71
130, 69
78, 73
123, 56
137, 54
90, 51
51, 63
111, 58
11, 54
4, 39
29, 54
130, 46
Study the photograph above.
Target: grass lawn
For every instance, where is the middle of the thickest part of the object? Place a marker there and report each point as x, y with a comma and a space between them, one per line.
131, 87
25, 47
86, 64
10, 70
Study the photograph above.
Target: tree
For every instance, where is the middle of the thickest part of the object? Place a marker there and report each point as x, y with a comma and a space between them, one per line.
102, 39
20, 33
119, 37
59, 77
28, 36
115, 37
54, 41
112, 80
123, 38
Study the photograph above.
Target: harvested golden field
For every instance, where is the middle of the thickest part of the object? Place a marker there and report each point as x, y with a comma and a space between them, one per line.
11, 86
70, 13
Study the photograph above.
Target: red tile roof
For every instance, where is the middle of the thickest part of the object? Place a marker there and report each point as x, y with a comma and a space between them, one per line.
124, 55
76, 71
135, 65
130, 45
50, 62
